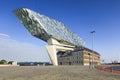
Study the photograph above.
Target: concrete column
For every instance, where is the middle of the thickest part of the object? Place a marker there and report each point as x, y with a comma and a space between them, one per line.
53, 54
52, 48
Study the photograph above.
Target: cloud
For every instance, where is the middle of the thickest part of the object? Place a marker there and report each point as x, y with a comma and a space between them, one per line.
11, 49
2, 35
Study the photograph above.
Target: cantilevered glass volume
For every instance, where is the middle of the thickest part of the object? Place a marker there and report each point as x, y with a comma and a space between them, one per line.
45, 28
55, 33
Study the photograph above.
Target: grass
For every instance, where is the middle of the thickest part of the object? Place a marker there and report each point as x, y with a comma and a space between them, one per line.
54, 73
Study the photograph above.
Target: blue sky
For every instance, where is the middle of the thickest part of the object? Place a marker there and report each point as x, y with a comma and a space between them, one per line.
81, 16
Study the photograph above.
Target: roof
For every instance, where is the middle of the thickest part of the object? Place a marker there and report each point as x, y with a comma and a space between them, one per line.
85, 48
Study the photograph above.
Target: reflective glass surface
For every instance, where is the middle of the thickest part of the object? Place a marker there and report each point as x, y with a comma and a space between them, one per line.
44, 27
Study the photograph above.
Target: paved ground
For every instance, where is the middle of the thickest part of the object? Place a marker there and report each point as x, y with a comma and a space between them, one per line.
54, 73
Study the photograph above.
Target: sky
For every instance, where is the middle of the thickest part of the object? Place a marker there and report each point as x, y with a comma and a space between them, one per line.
81, 16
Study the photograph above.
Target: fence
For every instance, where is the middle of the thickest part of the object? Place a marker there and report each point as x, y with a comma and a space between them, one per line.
105, 68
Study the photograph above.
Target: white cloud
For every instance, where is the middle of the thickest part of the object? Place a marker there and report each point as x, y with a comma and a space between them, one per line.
2, 35
21, 51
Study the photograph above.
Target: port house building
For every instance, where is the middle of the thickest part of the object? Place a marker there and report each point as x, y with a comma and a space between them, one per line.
59, 38
79, 56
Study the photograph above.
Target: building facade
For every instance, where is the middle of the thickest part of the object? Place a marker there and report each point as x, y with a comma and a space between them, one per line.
46, 28
58, 36
79, 56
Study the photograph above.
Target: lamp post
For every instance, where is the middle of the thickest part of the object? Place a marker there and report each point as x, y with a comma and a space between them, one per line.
92, 32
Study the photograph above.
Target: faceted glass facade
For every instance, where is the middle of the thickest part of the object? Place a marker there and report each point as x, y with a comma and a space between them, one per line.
44, 27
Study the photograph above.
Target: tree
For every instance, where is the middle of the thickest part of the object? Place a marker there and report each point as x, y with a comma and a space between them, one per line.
10, 62
3, 62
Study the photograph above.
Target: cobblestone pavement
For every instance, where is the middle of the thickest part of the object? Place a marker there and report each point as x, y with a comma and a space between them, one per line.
55, 73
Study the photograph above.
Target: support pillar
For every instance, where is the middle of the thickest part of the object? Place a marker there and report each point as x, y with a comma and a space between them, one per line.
53, 54
52, 48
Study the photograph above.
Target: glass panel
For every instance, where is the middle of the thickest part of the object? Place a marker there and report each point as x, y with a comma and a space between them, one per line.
41, 23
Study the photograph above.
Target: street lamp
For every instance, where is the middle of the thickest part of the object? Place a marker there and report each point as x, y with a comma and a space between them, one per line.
92, 32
